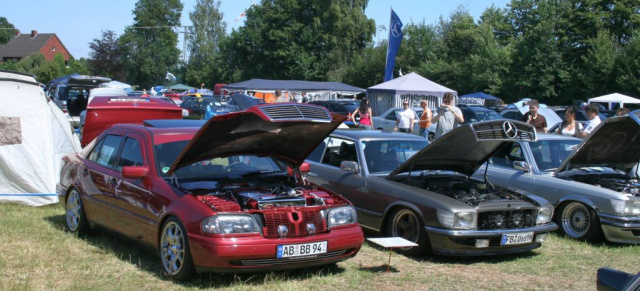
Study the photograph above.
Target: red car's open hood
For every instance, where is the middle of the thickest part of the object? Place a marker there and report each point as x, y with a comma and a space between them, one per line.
288, 131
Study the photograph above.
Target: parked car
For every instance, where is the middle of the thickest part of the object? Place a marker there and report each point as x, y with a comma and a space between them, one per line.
341, 106
613, 280
581, 115
478, 113
387, 121
99, 92
590, 182
72, 92
197, 107
103, 112
226, 195
400, 188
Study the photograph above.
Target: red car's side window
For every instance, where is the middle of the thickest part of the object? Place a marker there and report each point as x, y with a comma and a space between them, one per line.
131, 154
105, 153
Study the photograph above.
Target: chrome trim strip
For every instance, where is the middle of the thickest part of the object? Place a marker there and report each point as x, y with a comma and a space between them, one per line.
488, 233
619, 218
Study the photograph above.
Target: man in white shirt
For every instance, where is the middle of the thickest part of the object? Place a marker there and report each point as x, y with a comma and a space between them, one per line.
594, 120
406, 118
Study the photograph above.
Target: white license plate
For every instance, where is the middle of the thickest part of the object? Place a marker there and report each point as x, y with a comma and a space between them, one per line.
286, 251
517, 238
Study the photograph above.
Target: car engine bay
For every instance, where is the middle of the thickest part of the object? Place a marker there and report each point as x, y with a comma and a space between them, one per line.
618, 183
259, 195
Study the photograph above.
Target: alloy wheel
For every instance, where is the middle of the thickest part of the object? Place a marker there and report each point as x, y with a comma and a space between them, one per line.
74, 210
172, 248
576, 220
406, 225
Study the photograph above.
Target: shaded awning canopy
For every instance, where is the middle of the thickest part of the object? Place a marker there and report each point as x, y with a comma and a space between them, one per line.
179, 87
412, 83
615, 98
481, 95
292, 85
477, 98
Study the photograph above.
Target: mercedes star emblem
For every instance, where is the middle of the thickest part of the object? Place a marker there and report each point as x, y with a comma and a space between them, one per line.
311, 228
283, 230
510, 129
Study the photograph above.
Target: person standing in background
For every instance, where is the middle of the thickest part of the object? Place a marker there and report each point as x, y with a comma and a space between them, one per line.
594, 120
365, 115
532, 117
425, 120
570, 126
449, 116
406, 118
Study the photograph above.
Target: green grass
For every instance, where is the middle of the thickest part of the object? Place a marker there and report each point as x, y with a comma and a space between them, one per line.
37, 253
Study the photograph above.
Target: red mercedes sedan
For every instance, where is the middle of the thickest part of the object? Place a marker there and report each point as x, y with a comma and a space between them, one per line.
226, 195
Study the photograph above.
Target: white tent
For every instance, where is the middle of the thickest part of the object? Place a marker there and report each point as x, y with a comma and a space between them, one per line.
615, 98
412, 87
34, 136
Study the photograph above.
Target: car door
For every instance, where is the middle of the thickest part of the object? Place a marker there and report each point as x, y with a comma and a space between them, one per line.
131, 196
187, 104
98, 177
389, 121
353, 186
501, 169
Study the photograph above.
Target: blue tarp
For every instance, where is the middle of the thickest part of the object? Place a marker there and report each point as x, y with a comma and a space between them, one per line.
479, 95
292, 85
63, 79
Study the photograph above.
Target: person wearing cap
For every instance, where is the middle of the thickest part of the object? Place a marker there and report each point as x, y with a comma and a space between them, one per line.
406, 118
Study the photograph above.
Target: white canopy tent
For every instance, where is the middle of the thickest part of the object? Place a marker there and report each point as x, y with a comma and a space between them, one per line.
615, 98
34, 136
412, 87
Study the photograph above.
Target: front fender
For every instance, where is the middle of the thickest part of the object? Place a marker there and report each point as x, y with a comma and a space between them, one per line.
581, 199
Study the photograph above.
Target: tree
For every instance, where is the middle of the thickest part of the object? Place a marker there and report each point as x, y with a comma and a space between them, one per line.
105, 58
150, 44
628, 67
6, 34
596, 75
306, 40
367, 68
420, 45
204, 42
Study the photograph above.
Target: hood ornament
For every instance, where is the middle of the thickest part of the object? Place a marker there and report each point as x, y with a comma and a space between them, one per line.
311, 228
510, 129
283, 230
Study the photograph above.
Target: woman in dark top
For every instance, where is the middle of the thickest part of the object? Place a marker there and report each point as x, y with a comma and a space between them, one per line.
570, 126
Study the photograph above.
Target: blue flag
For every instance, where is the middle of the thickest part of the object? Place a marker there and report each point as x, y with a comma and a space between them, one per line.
395, 39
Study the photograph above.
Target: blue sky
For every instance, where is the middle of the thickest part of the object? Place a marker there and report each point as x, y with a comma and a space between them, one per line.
78, 22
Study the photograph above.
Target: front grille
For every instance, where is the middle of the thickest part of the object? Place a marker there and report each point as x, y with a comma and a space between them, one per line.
513, 219
284, 261
494, 130
296, 228
296, 112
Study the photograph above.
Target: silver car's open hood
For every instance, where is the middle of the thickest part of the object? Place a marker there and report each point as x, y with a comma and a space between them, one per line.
467, 147
614, 143
287, 131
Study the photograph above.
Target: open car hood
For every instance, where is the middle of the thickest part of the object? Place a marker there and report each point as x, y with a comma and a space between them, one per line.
466, 148
245, 101
614, 143
288, 131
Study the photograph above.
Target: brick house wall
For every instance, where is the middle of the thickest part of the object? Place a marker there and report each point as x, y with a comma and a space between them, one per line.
53, 47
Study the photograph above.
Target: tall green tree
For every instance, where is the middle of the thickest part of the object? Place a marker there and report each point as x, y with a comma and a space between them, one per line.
204, 42
628, 67
306, 39
150, 44
596, 76
6, 34
420, 45
367, 68
105, 57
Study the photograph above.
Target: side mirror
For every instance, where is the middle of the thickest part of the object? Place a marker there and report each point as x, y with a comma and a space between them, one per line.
305, 168
350, 166
135, 172
520, 165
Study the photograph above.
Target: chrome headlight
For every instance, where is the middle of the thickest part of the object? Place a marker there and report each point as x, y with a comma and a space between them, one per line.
544, 215
458, 220
342, 215
626, 207
224, 224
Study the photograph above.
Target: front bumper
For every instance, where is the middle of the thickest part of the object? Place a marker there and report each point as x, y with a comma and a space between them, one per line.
620, 229
463, 242
251, 254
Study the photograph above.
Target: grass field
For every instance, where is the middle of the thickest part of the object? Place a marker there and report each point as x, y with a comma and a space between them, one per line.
37, 253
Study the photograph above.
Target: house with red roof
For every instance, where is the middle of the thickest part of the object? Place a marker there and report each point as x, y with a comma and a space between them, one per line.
23, 45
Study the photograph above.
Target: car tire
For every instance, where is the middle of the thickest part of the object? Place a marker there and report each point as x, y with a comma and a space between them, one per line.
407, 224
579, 222
75, 214
175, 253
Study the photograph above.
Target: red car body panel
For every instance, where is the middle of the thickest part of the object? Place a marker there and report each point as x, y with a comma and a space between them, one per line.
103, 112
137, 209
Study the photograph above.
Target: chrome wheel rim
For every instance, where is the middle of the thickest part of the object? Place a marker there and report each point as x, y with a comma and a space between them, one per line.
406, 225
576, 220
172, 248
74, 208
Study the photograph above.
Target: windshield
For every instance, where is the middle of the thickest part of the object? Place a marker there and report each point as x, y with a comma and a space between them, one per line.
232, 167
383, 156
549, 154
482, 115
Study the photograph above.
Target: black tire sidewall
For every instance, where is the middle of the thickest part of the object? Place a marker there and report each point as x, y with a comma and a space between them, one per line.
594, 232
423, 241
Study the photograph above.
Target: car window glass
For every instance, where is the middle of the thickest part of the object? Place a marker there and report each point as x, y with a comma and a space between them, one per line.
469, 116
131, 154
339, 150
549, 154
316, 154
108, 150
392, 115
334, 107
386, 155
516, 153
501, 157
93, 156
